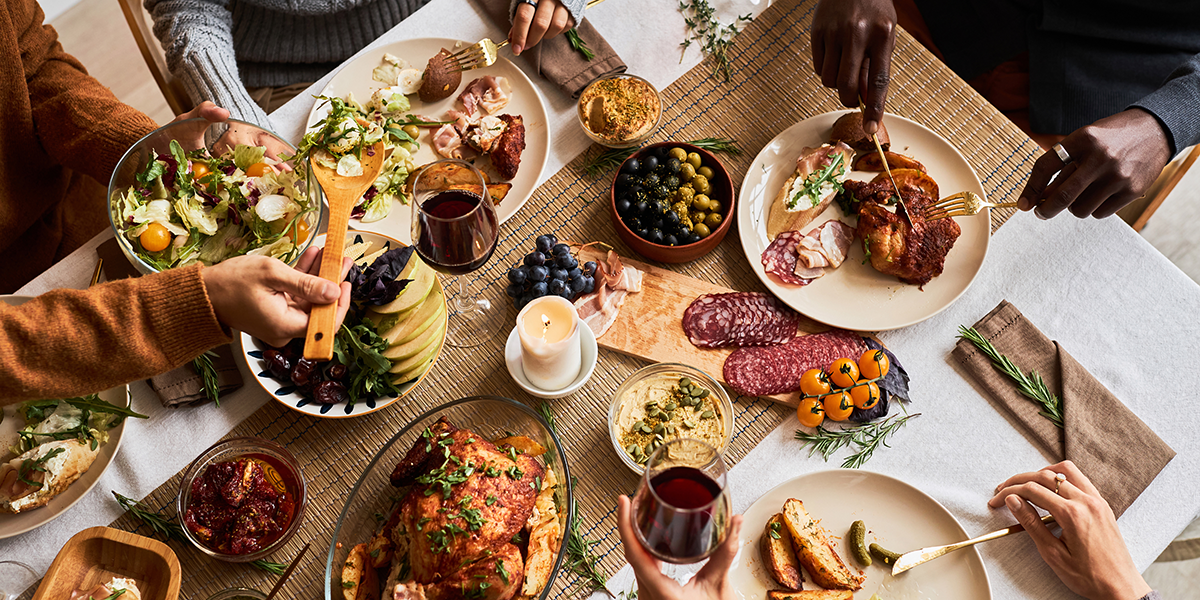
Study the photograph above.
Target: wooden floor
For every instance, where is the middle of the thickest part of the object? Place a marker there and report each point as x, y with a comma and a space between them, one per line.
118, 64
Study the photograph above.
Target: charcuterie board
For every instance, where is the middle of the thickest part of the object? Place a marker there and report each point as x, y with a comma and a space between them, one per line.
649, 324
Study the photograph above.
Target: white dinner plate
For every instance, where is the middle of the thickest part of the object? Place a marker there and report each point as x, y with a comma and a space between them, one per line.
855, 296
355, 77
17, 524
898, 517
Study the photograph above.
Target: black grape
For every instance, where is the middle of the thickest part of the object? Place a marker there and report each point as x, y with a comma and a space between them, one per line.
556, 286
538, 273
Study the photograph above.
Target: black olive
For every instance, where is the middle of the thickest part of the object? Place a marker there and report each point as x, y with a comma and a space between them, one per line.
672, 220
673, 165
670, 240
650, 180
662, 191
635, 189
634, 224
693, 238
277, 364
649, 163
622, 206
659, 207
631, 166
642, 233
657, 223
641, 207
656, 236
662, 152
672, 182
624, 180
330, 392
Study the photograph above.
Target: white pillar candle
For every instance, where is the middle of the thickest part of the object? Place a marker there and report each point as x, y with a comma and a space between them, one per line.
549, 332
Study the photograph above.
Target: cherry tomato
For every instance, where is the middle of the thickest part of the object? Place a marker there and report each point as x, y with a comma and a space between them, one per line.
814, 382
299, 232
155, 238
810, 412
843, 372
199, 170
865, 396
873, 364
838, 405
258, 170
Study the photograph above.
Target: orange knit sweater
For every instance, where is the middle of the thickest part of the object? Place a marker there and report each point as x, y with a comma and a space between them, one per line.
61, 135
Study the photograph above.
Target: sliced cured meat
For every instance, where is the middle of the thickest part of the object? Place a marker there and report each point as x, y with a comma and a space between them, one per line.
777, 369
779, 259
836, 238
600, 309
739, 319
448, 143
488, 93
824, 246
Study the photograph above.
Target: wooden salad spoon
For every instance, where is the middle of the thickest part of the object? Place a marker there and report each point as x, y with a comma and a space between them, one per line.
342, 194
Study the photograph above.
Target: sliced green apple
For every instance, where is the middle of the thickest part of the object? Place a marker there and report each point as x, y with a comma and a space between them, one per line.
420, 357
399, 352
422, 280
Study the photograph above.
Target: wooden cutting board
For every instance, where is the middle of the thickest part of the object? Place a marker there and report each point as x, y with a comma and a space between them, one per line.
649, 325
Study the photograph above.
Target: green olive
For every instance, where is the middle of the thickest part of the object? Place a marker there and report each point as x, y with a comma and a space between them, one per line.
693, 159
409, 146
698, 216
706, 189
705, 171
713, 220
412, 130
715, 206
687, 171
685, 194
698, 182
678, 153
701, 230
700, 202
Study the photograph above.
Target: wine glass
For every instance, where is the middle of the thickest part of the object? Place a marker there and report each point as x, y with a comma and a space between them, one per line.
15, 579
454, 230
681, 508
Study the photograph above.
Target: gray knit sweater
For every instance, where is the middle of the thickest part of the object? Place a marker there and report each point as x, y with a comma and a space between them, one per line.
218, 48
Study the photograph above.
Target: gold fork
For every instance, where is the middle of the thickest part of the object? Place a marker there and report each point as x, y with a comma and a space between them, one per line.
485, 52
962, 204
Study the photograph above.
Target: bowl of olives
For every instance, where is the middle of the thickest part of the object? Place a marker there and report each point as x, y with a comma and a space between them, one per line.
671, 202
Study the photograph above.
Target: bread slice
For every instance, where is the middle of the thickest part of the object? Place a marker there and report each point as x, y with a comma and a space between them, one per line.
779, 554
62, 470
815, 551
810, 595
811, 160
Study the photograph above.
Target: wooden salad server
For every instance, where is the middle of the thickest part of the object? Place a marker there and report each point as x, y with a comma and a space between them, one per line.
909, 560
341, 193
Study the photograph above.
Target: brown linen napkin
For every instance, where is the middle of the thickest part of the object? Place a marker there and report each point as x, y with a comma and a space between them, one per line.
555, 59
1114, 448
182, 385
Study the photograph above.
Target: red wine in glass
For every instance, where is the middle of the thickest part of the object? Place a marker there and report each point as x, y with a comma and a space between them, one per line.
455, 237
681, 511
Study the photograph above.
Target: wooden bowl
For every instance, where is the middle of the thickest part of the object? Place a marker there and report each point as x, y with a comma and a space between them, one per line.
722, 190
95, 555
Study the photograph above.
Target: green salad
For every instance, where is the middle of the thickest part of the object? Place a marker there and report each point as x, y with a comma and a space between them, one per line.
189, 207
86, 418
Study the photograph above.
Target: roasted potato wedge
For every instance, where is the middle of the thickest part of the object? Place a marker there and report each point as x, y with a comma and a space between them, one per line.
870, 161
779, 554
810, 595
849, 129
913, 177
523, 445
359, 580
496, 190
815, 551
446, 174
379, 551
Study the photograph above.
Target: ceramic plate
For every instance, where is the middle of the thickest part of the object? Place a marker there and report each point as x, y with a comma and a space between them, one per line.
355, 77
285, 393
856, 296
11, 525
898, 517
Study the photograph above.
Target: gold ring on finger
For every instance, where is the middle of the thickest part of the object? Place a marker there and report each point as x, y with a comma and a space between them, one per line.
1059, 478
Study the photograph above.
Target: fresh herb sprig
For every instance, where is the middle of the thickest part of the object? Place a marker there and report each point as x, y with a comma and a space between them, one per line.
36, 411
579, 45
714, 37
30, 466
1030, 386
270, 567
611, 158
866, 437
203, 365
717, 144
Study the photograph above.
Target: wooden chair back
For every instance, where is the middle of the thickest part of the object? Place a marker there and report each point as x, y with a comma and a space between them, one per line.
140, 24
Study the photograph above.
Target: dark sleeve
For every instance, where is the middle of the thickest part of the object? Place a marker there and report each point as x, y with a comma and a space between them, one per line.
1177, 105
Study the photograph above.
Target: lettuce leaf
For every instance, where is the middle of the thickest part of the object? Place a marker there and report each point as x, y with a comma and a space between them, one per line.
244, 156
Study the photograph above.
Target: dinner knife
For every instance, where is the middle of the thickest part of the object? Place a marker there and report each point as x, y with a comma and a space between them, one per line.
888, 169
909, 560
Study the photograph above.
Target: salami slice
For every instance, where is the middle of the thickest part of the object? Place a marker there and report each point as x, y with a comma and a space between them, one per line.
779, 259
777, 369
739, 319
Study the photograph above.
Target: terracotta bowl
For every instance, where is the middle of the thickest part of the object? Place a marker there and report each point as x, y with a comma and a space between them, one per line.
722, 190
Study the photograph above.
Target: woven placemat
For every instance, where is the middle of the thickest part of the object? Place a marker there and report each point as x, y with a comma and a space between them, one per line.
771, 87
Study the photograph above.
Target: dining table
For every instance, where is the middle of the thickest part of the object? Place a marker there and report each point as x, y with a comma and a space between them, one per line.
1094, 286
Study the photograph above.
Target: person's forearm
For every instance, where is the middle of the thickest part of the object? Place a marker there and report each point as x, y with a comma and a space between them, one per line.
1176, 105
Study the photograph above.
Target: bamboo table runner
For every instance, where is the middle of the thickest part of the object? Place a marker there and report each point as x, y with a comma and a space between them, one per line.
771, 87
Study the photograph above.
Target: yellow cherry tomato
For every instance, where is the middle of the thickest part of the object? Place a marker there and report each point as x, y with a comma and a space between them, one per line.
838, 405
258, 170
155, 238
865, 396
814, 382
298, 233
843, 372
873, 364
199, 170
810, 412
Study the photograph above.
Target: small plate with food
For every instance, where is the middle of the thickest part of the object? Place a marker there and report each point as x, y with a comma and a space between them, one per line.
821, 227
832, 530
405, 95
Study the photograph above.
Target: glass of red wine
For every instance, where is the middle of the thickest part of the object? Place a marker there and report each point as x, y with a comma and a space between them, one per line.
681, 510
454, 230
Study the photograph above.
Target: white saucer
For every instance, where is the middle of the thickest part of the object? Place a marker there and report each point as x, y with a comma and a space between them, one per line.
587, 351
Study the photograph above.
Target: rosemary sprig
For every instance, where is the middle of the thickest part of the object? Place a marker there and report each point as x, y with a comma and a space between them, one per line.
866, 437
270, 567
714, 38
579, 45
713, 144
1030, 386
611, 158
203, 365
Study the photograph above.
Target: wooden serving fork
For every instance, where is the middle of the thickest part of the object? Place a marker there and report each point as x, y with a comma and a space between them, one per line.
909, 560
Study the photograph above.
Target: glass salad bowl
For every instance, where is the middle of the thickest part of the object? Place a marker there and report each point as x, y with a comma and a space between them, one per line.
237, 194
372, 497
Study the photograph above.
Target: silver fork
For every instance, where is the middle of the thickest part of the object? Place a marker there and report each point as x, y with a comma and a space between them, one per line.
962, 204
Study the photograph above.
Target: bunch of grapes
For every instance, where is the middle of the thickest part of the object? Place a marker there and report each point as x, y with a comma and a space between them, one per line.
550, 270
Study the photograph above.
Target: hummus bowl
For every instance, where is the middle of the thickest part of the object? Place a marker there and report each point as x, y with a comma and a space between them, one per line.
663, 402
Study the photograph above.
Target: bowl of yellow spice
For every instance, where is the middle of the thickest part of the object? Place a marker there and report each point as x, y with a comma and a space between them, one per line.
620, 111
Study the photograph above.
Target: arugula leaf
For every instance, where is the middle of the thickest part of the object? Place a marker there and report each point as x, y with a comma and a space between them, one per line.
811, 189
153, 171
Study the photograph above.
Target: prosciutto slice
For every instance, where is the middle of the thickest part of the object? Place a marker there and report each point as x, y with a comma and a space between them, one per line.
825, 246
488, 93
448, 143
599, 309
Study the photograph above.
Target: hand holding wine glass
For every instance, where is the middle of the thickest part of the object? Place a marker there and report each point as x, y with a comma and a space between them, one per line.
710, 583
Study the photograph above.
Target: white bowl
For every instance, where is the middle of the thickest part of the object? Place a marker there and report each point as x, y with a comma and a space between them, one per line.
588, 353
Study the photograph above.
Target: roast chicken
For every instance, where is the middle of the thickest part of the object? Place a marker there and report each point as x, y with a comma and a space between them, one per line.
914, 254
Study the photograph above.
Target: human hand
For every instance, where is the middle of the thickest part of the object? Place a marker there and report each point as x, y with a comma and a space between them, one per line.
238, 133
852, 44
542, 20
1090, 556
269, 300
711, 582
1113, 162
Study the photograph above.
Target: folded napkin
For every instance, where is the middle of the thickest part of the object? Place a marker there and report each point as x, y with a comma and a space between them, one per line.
556, 60
1114, 448
182, 385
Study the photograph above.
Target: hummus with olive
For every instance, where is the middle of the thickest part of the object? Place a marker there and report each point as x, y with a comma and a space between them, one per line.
666, 407
619, 109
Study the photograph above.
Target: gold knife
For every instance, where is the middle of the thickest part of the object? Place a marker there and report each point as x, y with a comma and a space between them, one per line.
888, 169
909, 560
